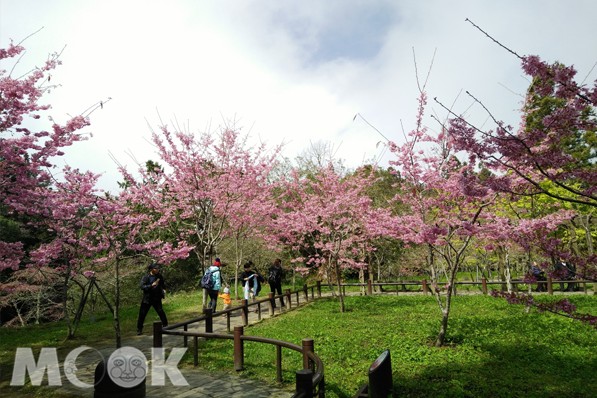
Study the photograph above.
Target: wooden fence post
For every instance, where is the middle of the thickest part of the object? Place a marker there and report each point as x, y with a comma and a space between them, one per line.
304, 383
157, 334
319, 289
306, 291
424, 286
369, 288
549, 285
484, 285
209, 320
272, 302
308, 347
245, 311
288, 299
239, 349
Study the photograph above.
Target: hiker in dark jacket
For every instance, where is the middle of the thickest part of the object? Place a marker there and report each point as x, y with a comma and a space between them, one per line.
274, 278
154, 290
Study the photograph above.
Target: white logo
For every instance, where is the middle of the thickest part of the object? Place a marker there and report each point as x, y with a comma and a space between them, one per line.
126, 367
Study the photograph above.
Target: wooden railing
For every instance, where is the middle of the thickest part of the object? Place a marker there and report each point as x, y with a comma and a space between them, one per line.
309, 380
483, 285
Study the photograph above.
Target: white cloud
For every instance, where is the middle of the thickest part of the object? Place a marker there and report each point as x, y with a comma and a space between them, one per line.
292, 71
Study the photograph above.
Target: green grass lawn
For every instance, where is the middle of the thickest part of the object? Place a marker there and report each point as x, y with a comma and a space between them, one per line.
495, 350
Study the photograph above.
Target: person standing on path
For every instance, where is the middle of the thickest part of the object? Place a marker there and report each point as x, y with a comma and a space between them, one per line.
274, 278
216, 277
154, 290
248, 280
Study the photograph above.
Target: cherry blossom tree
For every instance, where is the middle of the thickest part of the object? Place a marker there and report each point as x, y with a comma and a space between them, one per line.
329, 221
553, 150
210, 187
26, 156
65, 215
445, 205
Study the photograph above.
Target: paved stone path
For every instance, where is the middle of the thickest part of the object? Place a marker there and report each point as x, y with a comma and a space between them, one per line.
201, 383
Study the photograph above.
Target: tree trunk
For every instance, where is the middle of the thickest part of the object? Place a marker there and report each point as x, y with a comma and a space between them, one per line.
362, 281
443, 330
38, 307
117, 306
508, 273
203, 268
69, 322
339, 281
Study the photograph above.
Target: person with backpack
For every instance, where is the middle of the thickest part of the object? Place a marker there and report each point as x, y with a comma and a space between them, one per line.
274, 278
212, 281
154, 289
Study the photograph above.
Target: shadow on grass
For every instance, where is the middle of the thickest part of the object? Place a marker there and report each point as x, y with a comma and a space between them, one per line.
511, 371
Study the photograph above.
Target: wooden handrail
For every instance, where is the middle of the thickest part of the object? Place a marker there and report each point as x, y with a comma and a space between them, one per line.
310, 360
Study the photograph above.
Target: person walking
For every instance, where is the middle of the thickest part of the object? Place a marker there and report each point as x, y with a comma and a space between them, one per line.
274, 278
216, 282
154, 290
249, 281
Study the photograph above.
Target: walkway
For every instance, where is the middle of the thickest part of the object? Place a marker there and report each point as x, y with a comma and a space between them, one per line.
201, 383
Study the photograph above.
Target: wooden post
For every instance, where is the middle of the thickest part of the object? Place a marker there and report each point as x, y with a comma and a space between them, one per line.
195, 350
239, 350
209, 320
306, 291
272, 302
304, 383
484, 285
369, 288
185, 338
157, 334
424, 286
308, 347
549, 285
288, 299
245, 312
319, 289
279, 363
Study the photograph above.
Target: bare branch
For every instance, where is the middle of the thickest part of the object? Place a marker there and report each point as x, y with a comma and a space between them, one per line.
494, 40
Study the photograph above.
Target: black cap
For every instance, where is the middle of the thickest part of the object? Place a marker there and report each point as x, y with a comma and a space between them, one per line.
153, 266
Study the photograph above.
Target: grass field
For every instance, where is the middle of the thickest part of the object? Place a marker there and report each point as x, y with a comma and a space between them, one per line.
495, 349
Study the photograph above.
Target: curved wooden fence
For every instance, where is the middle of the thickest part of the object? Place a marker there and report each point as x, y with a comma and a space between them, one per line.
309, 380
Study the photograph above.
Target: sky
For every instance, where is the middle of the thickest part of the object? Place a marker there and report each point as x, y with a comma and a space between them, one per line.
292, 73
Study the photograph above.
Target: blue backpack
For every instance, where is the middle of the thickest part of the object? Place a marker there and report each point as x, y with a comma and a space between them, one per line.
207, 281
